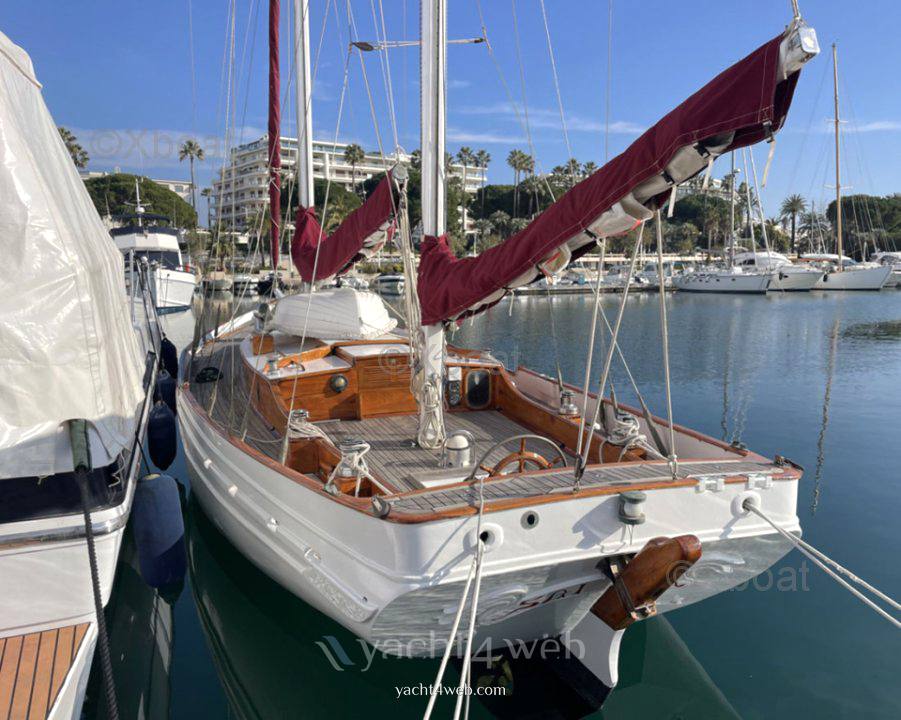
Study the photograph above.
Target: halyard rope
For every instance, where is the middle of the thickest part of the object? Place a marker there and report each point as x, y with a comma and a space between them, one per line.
664, 341
821, 561
583, 461
474, 570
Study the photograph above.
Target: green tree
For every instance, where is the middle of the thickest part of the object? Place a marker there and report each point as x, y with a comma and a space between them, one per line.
208, 193
465, 157
116, 193
483, 158
190, 150
500, 221
520, 162
78, 154
483, 228
341, 201
792, 207
353, 156
685, 236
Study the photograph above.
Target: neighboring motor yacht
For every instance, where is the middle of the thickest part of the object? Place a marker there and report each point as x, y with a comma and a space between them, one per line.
172, 281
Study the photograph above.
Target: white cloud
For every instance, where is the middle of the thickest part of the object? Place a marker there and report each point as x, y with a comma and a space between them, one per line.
549, 118
137, 148
877, 126
480, 137
827, 128
458, 84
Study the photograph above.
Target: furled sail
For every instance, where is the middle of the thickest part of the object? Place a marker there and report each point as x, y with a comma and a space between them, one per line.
744, 104
67, 346
361, 235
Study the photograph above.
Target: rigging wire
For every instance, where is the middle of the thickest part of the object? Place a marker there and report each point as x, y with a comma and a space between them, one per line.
609, 80
583, 460
823, 561
193, 67
550, 52
664, 339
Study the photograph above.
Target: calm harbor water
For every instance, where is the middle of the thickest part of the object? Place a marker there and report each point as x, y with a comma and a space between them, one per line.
814, 377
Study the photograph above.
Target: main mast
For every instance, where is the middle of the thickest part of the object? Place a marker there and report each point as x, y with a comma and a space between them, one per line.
838, 173
731, 252
304, 169
275, 153
432, 64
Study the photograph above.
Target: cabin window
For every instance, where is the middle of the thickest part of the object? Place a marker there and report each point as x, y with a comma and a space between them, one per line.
478, 389
167, 259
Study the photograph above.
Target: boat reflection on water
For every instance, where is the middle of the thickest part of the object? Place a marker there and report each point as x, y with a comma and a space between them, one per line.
278, 657
141, 625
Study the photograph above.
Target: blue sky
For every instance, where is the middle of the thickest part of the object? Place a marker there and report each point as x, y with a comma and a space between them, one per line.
120, 75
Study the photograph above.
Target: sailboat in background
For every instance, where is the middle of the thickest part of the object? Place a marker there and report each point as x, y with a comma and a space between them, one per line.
381, 474
843, 273
79, 362
735, 277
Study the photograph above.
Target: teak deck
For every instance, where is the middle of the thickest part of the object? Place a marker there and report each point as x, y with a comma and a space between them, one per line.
33, 668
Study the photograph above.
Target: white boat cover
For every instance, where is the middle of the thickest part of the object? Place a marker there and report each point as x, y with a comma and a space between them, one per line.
67, 346
339, 314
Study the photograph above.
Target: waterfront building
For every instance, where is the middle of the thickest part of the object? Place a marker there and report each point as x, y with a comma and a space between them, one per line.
240, 192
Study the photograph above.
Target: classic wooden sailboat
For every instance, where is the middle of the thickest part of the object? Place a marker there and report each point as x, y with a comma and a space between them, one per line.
379, 473
78, 367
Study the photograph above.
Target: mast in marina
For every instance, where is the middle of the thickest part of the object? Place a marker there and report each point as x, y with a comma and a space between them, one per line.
433, 53
275, 153
731, 251
304, 170
838, 173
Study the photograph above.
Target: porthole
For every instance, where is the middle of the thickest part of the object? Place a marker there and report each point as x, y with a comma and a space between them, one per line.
529, 519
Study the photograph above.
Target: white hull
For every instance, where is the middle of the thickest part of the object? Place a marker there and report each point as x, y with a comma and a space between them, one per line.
794, 280
723, 282
173, 290
397, 585
866, 278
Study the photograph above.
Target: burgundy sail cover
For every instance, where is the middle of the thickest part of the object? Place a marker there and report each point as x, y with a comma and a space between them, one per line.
339, 251
747, 99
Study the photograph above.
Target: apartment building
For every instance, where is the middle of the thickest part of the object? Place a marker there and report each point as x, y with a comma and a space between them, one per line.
241, 190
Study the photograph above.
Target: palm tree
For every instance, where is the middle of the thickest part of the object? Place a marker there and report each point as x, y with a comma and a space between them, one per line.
814, 226
483, 157
589, 168
515, 161
353, 154
483, 227
78, 154
191, 150
793, 206
466, 157
207, 193
520, 162
573, 171
500, 221
532, 185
